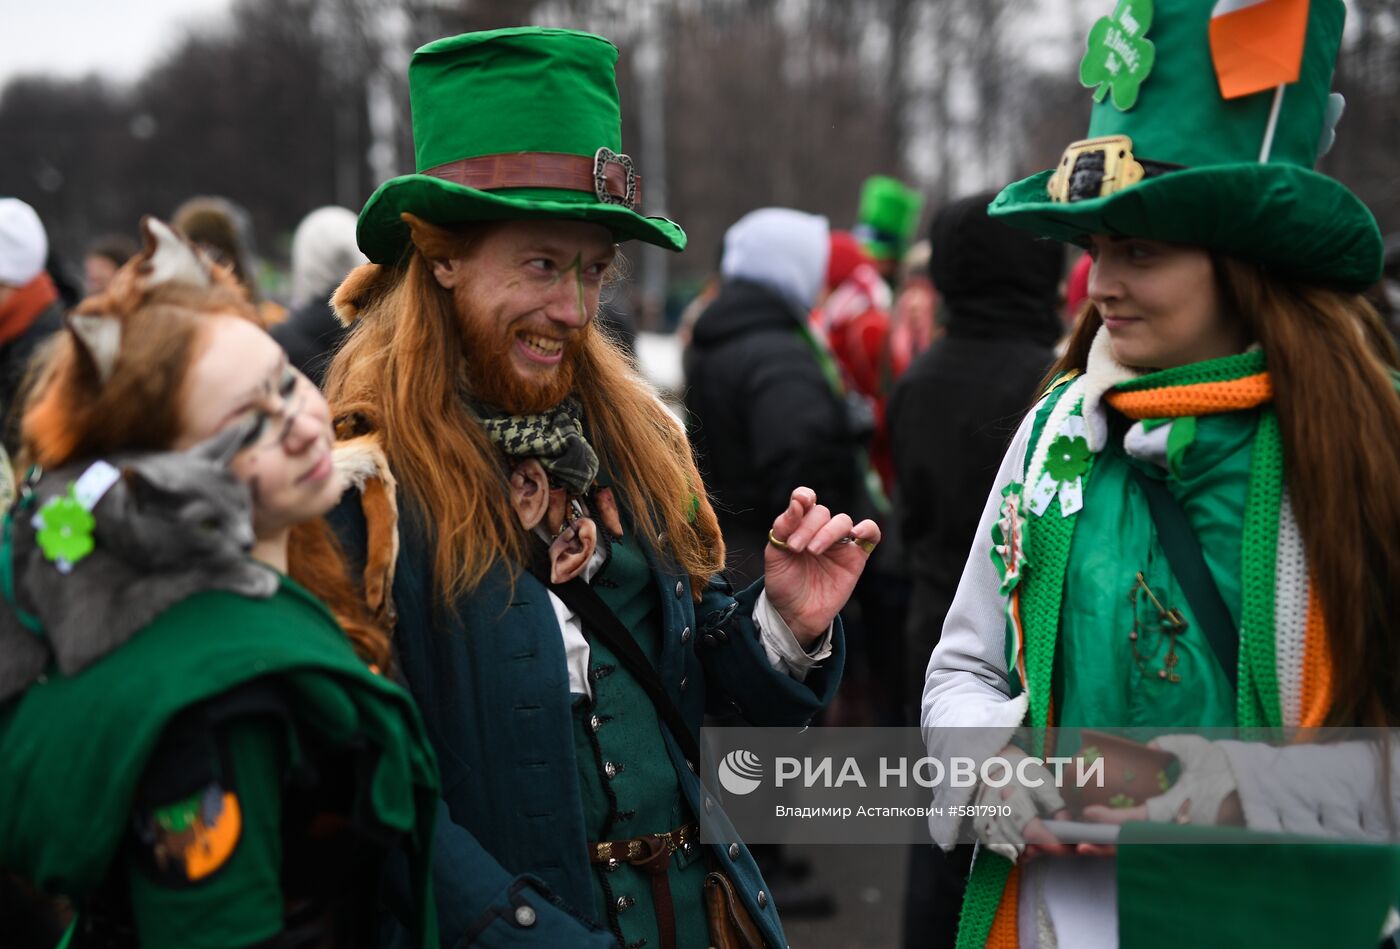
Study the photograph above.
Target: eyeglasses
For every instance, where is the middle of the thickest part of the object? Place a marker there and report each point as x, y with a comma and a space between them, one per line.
274, 408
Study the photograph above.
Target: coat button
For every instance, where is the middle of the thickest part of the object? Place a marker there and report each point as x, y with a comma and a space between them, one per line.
594, 723
685, 681
685, 635
762, 899
680, 589
709, 639
610, 769
524, 916
709, 804
733, 851
721, 635
624, 902
688, 848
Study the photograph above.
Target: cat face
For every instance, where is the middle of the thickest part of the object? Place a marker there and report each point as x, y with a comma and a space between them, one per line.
242, 374
183, 509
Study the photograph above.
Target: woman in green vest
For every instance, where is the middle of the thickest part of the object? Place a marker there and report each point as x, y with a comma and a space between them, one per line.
1198, 525
231, 772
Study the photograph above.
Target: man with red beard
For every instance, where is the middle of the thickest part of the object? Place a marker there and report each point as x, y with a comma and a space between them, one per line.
537, 533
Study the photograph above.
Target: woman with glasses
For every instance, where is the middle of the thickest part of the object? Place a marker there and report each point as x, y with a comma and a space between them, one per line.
237, 771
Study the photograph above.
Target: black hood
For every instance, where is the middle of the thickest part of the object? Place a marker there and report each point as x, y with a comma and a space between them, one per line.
994, 280
743, 307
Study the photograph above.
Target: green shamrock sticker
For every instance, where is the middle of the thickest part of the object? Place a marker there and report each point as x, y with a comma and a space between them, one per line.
1068, 458
64, 530
1119, 54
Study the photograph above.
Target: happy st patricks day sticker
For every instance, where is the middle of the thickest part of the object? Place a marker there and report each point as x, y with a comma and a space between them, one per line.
1119, 54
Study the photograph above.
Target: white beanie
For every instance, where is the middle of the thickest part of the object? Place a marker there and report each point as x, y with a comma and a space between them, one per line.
23, 244
781, 249
323, 252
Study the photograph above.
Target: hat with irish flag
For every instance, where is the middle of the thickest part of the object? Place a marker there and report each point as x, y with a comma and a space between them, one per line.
1207, 119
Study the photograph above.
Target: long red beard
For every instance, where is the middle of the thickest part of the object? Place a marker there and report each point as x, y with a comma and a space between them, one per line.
491, 375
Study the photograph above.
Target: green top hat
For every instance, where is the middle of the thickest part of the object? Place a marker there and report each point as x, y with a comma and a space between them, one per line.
1170, 158
889, 215
508, 124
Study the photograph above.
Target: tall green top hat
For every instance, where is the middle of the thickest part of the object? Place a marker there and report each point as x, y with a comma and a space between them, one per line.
889, 215
507, 124
1170, 157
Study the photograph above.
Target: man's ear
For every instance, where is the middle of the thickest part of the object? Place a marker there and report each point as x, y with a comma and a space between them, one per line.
438, 245
447, 271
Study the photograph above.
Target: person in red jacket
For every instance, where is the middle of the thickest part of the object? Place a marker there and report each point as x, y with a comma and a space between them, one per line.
854, 319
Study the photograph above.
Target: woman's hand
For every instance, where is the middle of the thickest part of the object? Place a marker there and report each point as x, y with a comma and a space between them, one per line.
1204, 793
812, 563
1013, 826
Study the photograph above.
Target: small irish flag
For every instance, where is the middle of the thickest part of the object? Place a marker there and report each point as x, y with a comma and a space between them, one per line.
1257, 44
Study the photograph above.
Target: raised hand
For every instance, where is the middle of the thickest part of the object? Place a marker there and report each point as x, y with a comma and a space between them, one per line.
812, 563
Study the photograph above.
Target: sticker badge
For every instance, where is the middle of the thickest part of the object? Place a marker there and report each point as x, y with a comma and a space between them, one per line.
1119, 55
188, 840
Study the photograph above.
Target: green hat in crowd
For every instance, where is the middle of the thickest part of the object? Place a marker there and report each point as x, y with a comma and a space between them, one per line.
889, 215
1206, 124
510, 124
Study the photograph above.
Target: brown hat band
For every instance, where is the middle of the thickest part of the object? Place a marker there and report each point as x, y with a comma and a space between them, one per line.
607, 175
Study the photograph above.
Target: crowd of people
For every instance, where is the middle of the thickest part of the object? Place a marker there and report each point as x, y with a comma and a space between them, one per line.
388, 613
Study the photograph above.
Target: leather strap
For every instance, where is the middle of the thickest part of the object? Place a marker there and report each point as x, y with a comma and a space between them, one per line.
1188, 564
603, 623
636, 849
547, 170
652, 854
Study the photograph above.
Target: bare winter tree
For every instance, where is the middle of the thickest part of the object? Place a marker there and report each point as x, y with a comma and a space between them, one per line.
729, 104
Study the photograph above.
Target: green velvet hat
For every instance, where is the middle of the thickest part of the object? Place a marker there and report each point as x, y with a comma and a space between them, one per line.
1169, 158
510, 124
889, 215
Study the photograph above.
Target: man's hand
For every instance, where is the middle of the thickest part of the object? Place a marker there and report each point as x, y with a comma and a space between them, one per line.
813, 562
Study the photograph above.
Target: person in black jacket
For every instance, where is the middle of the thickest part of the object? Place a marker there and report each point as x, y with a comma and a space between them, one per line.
765, 402
951, 417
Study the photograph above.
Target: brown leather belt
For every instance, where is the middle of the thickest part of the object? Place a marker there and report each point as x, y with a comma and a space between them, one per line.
651, 853
611, 177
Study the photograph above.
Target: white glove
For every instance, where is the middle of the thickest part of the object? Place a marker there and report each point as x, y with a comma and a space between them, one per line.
1005, 833
1205, 781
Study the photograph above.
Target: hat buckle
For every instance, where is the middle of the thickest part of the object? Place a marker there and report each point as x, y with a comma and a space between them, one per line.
1095, 168
604, 157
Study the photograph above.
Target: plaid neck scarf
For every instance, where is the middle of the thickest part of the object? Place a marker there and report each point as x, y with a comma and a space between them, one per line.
555, 438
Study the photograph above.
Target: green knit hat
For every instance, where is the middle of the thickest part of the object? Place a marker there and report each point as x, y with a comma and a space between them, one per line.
889, 215
510, 124
1169, 158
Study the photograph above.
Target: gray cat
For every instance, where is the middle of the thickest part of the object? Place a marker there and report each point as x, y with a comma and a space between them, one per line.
172, 524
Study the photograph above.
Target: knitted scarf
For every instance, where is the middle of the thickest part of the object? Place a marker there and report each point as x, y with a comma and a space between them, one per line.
1283, 638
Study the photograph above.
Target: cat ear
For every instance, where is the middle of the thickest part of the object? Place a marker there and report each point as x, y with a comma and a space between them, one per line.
99, 339
169, 258
138, 486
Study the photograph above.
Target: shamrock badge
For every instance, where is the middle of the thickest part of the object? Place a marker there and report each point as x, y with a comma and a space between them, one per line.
1068, 458
64, 529
1119, 54
1008, 548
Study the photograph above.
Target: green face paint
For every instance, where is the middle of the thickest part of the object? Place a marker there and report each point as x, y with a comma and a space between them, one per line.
576, 267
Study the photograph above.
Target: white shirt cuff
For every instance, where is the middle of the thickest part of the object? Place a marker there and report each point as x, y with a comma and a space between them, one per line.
784, 653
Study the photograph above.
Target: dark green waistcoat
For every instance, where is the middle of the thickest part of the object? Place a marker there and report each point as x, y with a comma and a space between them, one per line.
629, 785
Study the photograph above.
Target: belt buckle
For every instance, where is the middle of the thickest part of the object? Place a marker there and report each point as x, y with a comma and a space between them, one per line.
604, 157
1094, 168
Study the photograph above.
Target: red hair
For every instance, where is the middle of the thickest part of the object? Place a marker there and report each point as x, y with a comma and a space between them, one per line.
71, 415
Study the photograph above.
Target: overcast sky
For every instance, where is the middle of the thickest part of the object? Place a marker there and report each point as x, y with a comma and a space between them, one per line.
117, 39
